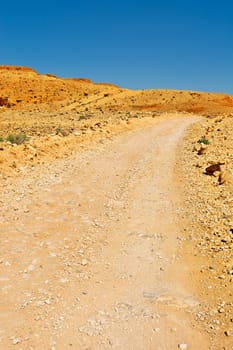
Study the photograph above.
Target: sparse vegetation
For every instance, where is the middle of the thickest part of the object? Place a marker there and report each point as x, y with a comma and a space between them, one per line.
17, 139
85, 116
61, 132
57, 131
1, 139
203, 140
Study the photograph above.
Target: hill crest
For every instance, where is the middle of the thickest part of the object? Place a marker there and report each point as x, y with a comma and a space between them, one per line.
22, 87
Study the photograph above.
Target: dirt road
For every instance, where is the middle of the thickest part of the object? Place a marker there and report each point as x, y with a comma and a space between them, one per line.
91, 250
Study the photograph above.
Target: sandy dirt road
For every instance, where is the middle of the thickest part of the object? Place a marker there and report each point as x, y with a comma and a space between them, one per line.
91, 255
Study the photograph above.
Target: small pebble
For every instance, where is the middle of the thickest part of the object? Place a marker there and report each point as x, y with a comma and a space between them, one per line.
183, 346
15, 341
221, 277
84, 262
221, 310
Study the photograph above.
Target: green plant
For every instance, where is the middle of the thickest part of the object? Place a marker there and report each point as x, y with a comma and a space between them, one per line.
57, 131
1, 139
61, 132
17, 139
204, 141
84, 116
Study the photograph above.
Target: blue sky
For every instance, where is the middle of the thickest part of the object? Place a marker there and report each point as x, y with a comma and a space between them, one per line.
135, 44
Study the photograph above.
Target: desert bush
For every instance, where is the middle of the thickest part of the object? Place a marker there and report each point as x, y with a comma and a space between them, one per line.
204, 141
84, 116
57, 131
61, 132
17, 139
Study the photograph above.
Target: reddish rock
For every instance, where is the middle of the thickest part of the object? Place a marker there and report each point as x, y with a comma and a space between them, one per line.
3, 101
210, 170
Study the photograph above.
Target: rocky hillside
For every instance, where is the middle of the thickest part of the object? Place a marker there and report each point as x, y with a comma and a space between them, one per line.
22, 87
45, 115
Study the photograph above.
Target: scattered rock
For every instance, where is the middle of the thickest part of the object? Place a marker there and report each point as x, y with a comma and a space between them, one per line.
84, 262
210, 170
16, 340
202, 150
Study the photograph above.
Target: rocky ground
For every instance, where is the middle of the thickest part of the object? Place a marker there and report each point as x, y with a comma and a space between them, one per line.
209, 199
62, 131
54, 115
50, 135
92, 249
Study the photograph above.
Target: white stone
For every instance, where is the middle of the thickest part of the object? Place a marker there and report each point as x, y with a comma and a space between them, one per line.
84, 262
183, 346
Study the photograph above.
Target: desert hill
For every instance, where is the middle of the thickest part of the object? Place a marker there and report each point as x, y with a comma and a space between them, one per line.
42, 109
22, 87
